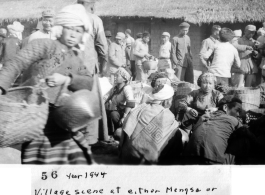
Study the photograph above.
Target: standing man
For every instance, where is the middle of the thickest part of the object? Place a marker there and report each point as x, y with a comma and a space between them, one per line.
248, 70
108, 37
116, 55
164, 53
209, 43
181, 54
129, 38
225, 56
139, 36
141, 53
47, 24
95, 59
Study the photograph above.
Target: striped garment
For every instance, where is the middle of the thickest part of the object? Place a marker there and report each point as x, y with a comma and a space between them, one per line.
56, 146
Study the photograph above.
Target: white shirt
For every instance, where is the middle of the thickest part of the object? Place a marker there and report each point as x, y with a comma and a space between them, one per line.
225, 56
40, 34
165, 50
141, 49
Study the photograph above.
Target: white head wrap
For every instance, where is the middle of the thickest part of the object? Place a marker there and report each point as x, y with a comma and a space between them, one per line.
71, 15
165, 93
261, 31
16, 29
238, 33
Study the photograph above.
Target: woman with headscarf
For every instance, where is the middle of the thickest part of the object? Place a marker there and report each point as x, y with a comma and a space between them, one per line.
59, 63
120, 101
199, 101
12, 43
150, 132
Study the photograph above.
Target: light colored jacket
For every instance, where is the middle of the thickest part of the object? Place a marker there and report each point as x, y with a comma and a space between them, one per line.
141, 49
116, 57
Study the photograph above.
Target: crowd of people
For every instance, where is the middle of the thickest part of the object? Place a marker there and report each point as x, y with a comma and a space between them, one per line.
203, 127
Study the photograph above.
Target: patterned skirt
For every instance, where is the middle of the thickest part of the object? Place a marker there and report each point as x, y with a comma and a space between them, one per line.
56, 146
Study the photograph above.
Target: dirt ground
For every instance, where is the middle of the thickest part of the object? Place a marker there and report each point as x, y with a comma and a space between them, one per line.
106, 153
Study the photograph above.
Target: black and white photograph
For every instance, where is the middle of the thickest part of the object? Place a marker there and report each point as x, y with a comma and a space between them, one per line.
151, 87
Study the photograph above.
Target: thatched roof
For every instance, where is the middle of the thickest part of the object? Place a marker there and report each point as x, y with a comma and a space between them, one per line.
28, 9
194, 11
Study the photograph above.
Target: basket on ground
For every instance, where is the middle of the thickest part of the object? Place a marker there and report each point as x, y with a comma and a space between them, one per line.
23, 115
250, 96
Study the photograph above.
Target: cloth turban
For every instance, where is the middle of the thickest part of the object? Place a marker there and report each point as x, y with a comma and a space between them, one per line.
165, 93
3, 32
238, 33
261, 31
15, 27
73, 15
124, 73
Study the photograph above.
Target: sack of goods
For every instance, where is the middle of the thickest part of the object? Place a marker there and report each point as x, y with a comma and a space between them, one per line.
23, 115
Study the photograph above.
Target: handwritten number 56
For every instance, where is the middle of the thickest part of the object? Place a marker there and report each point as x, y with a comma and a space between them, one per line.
53, 175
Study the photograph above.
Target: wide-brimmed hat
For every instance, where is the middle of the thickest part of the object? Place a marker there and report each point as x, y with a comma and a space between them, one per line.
78, 110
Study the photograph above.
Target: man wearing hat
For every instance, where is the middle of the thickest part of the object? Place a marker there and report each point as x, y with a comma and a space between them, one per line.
129, 41
47, 24
95, 59
181, 54
132, 57
164, 61
116, 55
108, 36
141, 53
209, 43
129, 38
245, 76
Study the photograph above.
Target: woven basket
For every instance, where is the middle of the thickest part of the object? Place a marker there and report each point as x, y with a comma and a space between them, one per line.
250, 97
24, 113
185, 88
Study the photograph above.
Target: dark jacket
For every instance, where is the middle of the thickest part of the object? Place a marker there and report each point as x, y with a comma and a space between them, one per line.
41, 58
9, 47
210, 137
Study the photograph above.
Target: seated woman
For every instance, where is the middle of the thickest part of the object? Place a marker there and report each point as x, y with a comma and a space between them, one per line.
149, 129
199, 101
58, 62
120, 100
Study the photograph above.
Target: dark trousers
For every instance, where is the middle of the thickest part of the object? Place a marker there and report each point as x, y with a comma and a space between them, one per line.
133, 69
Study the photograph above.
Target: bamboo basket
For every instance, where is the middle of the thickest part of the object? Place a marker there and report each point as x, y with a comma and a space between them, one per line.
23, 115
250, 97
